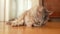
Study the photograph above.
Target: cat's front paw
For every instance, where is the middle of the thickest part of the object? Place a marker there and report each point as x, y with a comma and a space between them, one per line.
12, 23
15, 23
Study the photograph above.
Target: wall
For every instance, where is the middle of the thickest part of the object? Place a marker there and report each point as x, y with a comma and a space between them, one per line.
4, 10
17, 7
13, 9
1, 10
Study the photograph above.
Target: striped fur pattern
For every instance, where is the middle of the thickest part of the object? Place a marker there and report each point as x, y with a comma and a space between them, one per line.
36, 16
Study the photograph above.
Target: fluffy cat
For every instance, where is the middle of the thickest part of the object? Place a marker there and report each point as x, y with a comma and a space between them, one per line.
36, 16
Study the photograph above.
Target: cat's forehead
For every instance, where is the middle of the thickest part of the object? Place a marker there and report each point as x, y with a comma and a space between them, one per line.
42, 9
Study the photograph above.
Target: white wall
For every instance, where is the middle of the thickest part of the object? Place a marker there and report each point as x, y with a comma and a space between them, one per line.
13, 10
1, 10
36, 3
17, 7
4, 10
7, 9
23, 5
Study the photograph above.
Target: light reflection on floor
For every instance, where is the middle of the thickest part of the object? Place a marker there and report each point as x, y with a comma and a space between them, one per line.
49, 28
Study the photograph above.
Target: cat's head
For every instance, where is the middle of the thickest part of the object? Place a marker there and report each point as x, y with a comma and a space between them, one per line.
44, 9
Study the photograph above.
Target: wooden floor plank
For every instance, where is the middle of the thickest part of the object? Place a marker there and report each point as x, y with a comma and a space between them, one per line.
49, 28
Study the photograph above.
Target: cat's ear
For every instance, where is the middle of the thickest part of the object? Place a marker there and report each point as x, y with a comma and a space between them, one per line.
50, 12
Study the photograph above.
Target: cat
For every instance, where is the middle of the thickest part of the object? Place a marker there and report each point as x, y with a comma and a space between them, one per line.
36, 16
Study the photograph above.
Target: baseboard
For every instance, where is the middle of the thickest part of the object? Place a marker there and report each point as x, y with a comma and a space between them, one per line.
55, 19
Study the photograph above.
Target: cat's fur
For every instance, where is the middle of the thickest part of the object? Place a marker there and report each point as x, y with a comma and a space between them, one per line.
36, 16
